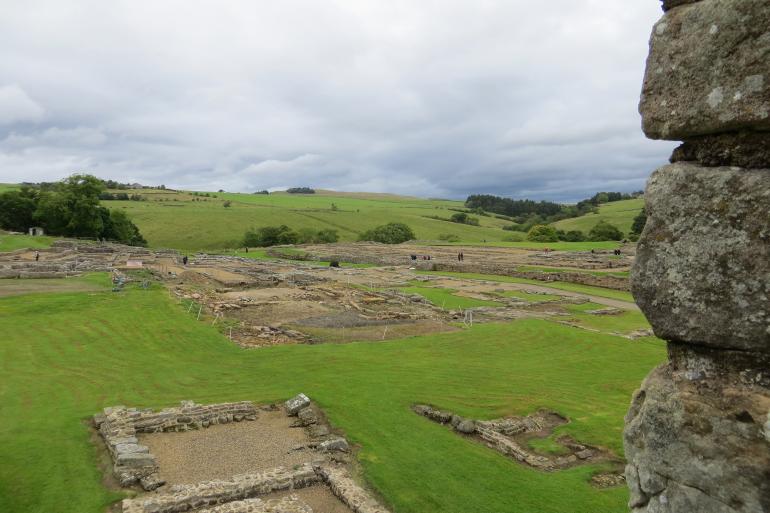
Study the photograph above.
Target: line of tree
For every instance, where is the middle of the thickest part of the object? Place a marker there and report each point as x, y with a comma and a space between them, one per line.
528, 213
278, 235
68, 208
121, 196
300, 190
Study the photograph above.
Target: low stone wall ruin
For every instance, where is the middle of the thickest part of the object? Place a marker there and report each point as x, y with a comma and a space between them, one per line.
132, 462
499, 434
212, 493
239, 494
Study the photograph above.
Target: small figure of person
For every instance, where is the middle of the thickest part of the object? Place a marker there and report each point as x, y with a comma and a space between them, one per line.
247, 249
184, 260
37, 256
459, 257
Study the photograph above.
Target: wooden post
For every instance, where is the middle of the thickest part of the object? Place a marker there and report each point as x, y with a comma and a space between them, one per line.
199, 313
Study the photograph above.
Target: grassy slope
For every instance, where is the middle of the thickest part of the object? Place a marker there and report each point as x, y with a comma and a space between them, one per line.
190, 225
619, 213
65, 356
13, 242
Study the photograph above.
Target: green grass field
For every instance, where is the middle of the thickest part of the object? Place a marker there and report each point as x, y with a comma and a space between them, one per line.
446, 298
183, 221
618, 213
67, 355
14, 242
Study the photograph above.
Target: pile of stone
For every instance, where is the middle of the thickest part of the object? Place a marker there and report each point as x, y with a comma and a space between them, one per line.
697, 434
133, 462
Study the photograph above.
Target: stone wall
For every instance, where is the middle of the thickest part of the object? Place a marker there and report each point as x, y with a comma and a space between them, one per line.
608, 281
132, 462
212, 493
697, 435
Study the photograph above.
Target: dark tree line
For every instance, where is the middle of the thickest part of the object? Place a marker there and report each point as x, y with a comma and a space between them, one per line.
69, 208
300, 190
528, 213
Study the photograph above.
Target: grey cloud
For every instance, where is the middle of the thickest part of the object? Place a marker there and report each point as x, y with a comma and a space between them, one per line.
429, 98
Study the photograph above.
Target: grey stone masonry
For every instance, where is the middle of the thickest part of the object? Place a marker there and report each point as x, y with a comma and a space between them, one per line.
133, 462
696, 436
702, 271
708, 70
213, 493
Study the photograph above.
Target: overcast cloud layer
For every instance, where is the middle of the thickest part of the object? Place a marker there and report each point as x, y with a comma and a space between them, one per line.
432, 98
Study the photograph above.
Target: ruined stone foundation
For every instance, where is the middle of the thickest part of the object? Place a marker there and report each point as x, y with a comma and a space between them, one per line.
697, 436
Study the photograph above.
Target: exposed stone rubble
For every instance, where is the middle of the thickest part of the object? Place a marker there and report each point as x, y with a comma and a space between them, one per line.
290, 504
352, 495
71, 258
509, 436
133, 462
212, 493
696, 435
242, 493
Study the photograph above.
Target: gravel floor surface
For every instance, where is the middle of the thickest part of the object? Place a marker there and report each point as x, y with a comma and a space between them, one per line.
224, 450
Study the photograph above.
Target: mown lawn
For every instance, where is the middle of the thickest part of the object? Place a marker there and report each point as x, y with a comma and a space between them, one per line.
65, 356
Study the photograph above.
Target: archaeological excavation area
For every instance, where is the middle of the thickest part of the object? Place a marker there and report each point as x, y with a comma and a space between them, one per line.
232, 457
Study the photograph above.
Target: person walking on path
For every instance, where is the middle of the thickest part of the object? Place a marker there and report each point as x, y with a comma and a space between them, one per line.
184, 260
37, 256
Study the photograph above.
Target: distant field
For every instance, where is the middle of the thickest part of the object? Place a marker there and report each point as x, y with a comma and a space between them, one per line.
7, 187
556, 246
184, 221
619, 213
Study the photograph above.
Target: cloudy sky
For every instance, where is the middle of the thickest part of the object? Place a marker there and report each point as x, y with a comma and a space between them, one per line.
436, 98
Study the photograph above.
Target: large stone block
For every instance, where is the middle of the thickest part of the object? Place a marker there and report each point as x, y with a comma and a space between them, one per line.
702, 270
708, 70
697, 447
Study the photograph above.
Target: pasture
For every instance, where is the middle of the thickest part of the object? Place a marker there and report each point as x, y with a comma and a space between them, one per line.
618, 213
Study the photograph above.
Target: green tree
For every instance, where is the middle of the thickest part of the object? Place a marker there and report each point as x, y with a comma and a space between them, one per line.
542, 233
327, 236
604, 231
17, 209
391, 233
639, 221
81, 197
120, 228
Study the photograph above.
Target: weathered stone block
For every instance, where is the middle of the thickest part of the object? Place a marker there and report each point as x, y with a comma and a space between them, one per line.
670, 4
708, 70
296, 403
334, 444
135, 459
742, 149
702, 271
697, 448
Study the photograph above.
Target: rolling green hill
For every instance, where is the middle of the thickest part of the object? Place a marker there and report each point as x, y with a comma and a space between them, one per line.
619, 213
185, 221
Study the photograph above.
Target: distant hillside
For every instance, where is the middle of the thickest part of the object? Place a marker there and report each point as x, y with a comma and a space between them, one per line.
619, 213
201, 221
